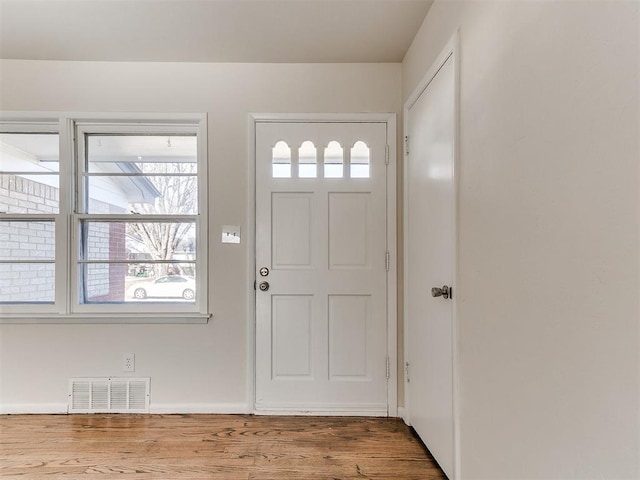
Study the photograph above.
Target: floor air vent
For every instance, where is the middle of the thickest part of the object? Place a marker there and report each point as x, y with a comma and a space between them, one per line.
109, 395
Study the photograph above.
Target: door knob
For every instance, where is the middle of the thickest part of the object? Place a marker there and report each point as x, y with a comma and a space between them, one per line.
264, 286
445, 291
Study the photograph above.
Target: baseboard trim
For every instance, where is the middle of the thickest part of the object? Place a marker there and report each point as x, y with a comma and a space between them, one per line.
203, 408
158, 408
401, 413
369, 410
33, 408
220, 408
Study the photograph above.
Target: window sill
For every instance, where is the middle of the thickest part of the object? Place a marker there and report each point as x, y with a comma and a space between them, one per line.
91, 319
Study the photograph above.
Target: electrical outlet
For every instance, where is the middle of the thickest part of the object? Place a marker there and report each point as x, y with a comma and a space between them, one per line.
129, 362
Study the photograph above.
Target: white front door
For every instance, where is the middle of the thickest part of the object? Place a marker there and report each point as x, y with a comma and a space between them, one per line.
430, 232
321, 242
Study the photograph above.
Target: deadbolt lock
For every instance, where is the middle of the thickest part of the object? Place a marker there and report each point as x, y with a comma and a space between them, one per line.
264, 271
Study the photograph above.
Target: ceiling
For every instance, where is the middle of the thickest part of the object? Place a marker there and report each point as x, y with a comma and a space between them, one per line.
272, 31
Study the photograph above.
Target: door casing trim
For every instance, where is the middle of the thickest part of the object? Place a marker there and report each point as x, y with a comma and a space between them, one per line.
392, 274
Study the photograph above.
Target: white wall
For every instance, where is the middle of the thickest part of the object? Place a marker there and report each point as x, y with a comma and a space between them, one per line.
548, 282
192, 367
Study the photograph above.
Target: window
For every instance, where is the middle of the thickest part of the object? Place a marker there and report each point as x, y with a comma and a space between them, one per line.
29, 208
111, 224
333, 160
307, 160
281, 154
360, 160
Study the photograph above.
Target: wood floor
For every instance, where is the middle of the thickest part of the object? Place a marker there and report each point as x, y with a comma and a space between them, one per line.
229, 447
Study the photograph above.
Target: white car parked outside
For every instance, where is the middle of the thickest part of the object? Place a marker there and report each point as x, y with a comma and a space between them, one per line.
169, 286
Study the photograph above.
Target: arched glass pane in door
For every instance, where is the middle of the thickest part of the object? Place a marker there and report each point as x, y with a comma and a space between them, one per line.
360, 160
307, 160
333, 161
281, 160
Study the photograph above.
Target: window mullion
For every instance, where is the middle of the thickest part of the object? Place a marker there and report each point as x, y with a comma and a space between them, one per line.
202, 258
64, 237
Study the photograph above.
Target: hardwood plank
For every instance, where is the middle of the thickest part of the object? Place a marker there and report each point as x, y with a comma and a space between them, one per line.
229, 447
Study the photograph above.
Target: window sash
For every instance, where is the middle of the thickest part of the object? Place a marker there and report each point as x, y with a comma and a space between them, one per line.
85, 129
80, 260
37, 127
60, 261
199, 306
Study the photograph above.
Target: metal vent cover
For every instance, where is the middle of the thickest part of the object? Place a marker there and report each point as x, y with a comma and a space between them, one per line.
109, 395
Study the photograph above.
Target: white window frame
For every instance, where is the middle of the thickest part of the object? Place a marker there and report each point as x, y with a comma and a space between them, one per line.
71, 129
41, 126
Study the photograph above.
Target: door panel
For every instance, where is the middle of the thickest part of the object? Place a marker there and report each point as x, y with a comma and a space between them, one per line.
430, 261
321, 327
292, 217
349, 325
291, 336
349, 230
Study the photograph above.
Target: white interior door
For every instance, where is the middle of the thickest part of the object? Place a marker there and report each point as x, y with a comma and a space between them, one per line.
430, 184
321, 242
